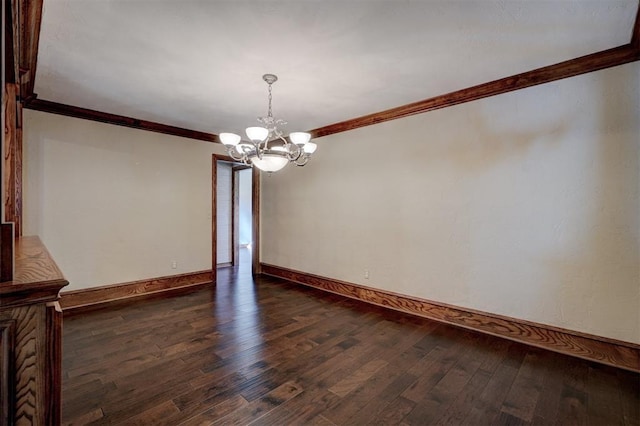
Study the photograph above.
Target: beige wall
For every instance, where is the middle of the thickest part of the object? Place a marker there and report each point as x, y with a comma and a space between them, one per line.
524, 204
114, 204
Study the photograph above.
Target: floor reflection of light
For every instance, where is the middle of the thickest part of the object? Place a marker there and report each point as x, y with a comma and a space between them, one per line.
236, 308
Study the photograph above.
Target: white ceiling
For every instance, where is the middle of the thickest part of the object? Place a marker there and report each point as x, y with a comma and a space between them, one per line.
198, 64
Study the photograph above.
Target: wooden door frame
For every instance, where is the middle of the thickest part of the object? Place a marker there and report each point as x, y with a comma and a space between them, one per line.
255, 214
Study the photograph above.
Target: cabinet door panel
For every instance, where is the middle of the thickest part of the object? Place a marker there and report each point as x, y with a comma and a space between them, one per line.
7, 372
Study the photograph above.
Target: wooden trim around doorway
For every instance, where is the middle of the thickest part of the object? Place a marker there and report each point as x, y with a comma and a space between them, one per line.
255, 213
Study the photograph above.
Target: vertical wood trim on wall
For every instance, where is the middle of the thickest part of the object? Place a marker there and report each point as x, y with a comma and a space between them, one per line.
7, 249
256, 269
30, 20
53, 384
12, 159
9, 108
17, 189
214, 218
10, 43
235, 216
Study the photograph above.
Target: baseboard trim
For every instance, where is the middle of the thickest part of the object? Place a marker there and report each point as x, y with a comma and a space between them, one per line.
97, 296
604, 350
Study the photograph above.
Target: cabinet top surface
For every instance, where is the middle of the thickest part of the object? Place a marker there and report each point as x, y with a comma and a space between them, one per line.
36, 275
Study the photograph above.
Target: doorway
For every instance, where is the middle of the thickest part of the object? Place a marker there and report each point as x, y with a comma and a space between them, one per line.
241, 217
235, 203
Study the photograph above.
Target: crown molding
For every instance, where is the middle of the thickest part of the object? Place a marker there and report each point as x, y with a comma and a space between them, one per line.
571, 68
30, 17
118, 120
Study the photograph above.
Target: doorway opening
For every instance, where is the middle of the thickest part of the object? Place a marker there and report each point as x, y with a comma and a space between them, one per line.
241, 217
234, 216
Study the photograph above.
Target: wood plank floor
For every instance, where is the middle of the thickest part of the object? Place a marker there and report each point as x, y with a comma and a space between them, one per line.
275, 353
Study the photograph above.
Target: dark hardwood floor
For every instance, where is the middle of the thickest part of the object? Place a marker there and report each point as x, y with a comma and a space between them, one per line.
276, 353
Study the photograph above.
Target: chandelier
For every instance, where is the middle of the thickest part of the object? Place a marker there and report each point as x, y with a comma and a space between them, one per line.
268, 149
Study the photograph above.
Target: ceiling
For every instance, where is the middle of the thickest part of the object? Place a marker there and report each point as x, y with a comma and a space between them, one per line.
198, 64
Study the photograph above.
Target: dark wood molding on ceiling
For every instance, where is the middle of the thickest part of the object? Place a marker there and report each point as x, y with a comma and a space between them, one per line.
90, 298
30, 17
118, 120
582, 345
571, 68
585, 64
29, 20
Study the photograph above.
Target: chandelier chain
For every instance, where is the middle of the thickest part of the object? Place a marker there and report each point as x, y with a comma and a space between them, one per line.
269, 113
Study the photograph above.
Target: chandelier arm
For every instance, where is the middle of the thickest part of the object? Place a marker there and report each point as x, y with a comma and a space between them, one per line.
296, 154
283, 140
264, 147
259, 151
247, 151
233, 153
305, 160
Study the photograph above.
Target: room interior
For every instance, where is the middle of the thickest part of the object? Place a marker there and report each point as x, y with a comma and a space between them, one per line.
477, 165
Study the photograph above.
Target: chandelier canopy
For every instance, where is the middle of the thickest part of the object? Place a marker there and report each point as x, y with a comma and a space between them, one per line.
268, 149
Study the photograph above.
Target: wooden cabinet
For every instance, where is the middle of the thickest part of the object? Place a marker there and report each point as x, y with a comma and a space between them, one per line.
30, 338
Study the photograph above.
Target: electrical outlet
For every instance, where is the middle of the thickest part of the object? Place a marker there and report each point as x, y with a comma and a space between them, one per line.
174, 265
366, 274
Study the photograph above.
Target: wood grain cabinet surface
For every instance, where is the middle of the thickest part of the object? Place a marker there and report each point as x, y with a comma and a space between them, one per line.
30, 338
